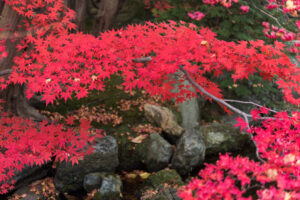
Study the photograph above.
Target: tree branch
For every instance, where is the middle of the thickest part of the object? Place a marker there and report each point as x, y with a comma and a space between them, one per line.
5, 72
247, 102
269, 15
221, 101
142, 59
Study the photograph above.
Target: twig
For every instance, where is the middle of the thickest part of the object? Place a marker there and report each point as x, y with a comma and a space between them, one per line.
268, 14
142, 60
5, 72
247, 102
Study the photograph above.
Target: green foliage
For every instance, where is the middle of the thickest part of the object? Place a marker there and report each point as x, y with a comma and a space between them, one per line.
255, 89
229, 23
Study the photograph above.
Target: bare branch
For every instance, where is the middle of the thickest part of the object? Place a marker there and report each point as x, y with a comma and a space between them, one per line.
142, 60
269, 15
5, 72
247, 102
221, 101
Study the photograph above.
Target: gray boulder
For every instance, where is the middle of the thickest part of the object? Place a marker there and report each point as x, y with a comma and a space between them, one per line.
155, 153
29, 174
165, 119
110, 189
70, 177
92, 181
190, 152
189, 109
223, 138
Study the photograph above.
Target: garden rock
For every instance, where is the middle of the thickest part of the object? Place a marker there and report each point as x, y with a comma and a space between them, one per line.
169, 176
166, 194
24, 193
189, 109
165, 119
155, 153
92, 181
190, 152
223, 138
30, 174
110, 189
38, 190
155, 186
70, 177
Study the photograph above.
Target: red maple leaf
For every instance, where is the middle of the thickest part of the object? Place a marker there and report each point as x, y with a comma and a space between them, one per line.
241, 123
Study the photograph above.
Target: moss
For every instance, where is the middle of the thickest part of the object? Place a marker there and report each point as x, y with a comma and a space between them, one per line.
169, 176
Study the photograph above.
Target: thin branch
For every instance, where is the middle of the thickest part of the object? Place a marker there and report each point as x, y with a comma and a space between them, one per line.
142, 59
221, 101
5, 72
268, 14
247, 102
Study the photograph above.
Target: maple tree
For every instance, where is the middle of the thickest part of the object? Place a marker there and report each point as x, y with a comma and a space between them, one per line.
58, 62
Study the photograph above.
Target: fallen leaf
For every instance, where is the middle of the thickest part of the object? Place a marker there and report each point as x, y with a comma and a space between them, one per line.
139, 138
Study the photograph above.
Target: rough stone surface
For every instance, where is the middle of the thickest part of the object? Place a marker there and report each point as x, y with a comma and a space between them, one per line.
156, 153
166, 194
38, 190
69, 177
30, 174
223, 138
165, 119
164, 176
27, 194
189, 109
155, 186
111, 188
190, 152
190, 113
92, 181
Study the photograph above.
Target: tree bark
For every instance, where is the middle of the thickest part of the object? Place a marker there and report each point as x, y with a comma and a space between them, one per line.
106, 14
15, 100
80, 7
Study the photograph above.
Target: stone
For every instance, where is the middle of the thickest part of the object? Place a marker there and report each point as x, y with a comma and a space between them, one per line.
190, 113
161, 185
223, 138
189, 109
110, 189
92, 181
30, 174
190, 152
156, 153
166, 194
25, 194
69, 178
169, 176
40, 189
165, 119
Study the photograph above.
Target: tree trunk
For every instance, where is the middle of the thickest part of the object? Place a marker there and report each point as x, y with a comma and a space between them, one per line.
106, 14
15, 101
80, 7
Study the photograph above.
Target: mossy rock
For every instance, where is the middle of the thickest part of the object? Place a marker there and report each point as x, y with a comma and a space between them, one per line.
169, 176
223, 138
162, 185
